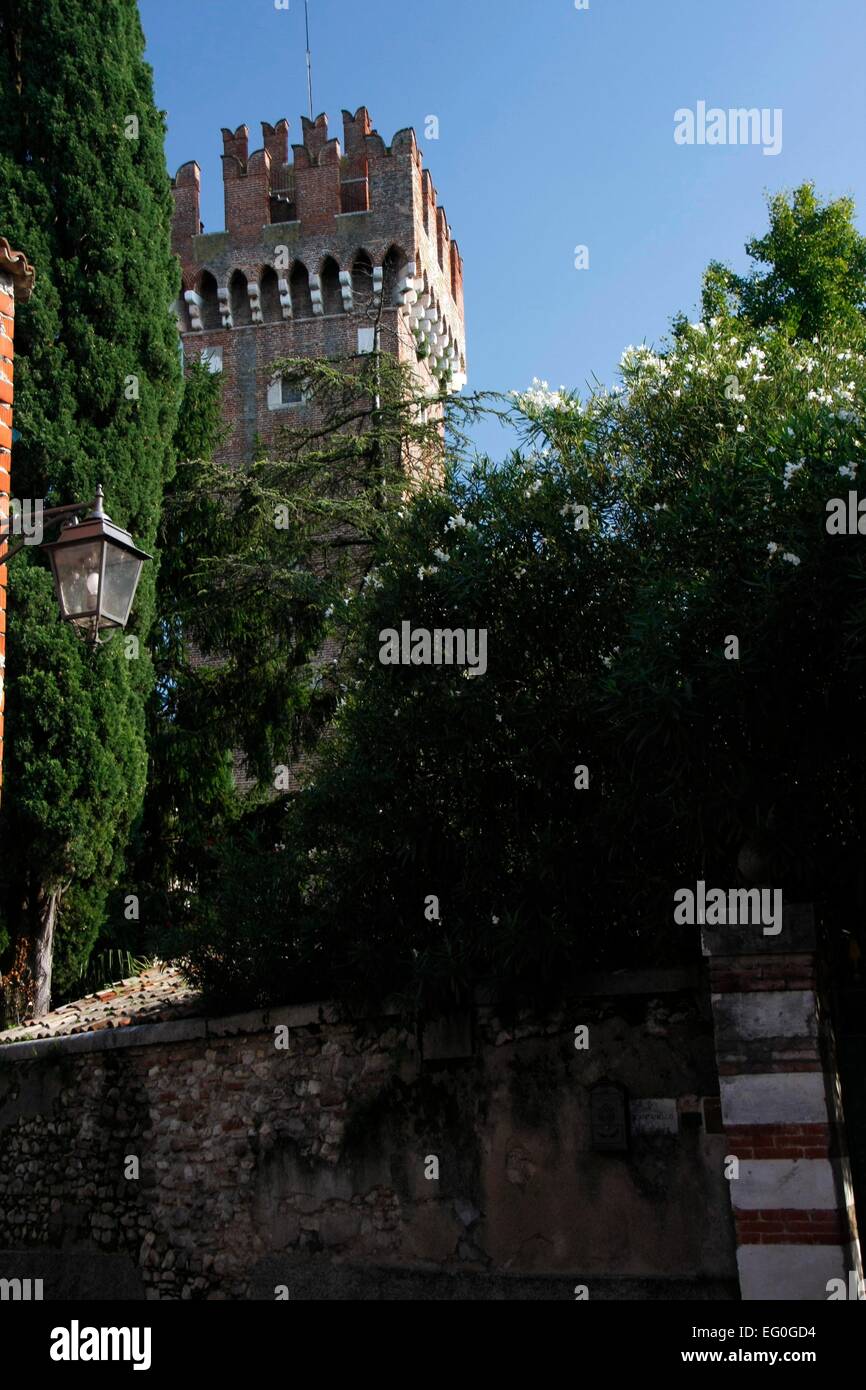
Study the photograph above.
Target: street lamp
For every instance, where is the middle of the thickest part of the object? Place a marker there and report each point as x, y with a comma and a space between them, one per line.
96, 567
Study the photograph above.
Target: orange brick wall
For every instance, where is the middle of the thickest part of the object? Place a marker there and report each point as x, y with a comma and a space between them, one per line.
16, 282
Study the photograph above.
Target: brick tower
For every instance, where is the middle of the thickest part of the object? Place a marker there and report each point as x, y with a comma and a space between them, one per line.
324, 255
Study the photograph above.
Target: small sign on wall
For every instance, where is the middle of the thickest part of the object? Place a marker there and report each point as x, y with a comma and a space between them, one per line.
654, 1117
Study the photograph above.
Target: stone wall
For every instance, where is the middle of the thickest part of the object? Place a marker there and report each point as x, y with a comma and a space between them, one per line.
203, 1159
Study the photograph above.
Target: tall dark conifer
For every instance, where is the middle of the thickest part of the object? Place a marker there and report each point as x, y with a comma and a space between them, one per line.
84, 191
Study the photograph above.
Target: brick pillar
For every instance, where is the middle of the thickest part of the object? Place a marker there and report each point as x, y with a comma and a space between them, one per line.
16, 283
792, 1200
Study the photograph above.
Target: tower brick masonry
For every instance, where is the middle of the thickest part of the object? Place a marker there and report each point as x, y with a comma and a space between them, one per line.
324, 255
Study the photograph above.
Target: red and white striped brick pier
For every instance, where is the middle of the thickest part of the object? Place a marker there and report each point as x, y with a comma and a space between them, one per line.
781, 1109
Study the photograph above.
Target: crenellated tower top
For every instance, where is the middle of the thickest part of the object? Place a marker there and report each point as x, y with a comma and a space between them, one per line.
321, 182
328, 242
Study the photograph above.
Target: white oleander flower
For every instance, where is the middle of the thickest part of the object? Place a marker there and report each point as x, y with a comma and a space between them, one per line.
540, 399
790, 470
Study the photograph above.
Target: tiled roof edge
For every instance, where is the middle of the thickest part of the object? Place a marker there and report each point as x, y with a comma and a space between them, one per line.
182, 1030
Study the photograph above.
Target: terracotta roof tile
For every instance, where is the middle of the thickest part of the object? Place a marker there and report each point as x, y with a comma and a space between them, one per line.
158, 995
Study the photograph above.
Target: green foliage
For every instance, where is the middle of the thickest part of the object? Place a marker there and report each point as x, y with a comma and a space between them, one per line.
729, 517
190, 785
222, 927
91, 208
705, 476
441, 783
106, 968
256, 560
816, 276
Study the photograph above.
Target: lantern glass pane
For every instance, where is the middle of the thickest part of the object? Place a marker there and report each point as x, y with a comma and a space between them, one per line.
119, 583
77, 572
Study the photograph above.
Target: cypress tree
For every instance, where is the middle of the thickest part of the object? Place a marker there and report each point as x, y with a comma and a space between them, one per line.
84, 190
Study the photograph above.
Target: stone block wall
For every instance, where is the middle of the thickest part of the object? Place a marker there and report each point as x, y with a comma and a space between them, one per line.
202, 1159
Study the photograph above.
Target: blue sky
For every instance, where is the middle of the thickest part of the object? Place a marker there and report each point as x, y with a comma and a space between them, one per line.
556, 129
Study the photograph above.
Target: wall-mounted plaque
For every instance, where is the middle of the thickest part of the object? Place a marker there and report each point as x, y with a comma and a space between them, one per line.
608, 1108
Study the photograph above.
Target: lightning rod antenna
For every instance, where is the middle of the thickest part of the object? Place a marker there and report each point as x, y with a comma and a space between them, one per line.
309, 58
